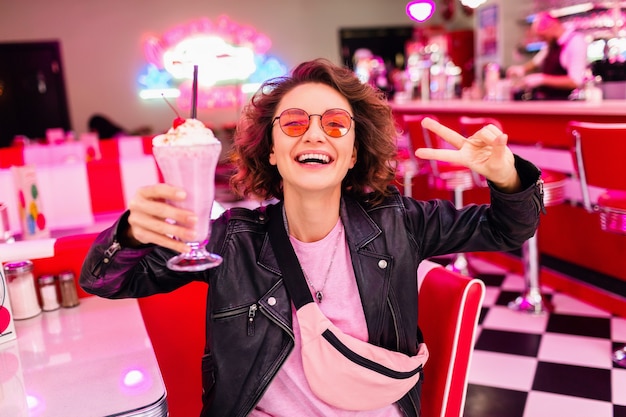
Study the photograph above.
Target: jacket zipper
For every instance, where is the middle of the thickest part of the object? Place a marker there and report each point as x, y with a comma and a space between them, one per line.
267, 378
395, 324
541, 204
251, 314
234, 312
100, 267
250, 311
408, 395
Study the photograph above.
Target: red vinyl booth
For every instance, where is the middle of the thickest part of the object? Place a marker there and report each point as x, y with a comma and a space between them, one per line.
449, 307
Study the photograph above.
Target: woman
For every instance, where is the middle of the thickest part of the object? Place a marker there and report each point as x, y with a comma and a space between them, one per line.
322, 144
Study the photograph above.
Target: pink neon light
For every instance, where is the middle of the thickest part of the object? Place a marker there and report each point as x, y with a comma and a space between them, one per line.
231, 32
230, 55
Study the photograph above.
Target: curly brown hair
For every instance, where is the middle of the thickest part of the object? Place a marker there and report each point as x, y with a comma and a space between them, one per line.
375, 134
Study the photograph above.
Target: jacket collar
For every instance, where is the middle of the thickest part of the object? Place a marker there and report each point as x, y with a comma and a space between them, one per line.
359, 226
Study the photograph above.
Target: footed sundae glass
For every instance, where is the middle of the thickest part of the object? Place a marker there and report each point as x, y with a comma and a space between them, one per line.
187, 156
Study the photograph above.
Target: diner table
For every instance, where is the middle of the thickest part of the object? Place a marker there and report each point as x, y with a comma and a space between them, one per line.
95, 359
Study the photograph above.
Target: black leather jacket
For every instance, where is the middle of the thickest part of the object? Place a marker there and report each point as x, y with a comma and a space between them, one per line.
248, 328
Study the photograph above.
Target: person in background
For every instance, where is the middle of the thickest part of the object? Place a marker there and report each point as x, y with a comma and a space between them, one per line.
559, 67
319, 147
106, 129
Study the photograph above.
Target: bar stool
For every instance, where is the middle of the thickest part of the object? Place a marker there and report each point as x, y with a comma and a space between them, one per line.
406, 168
598, 148
442, 175
531, 300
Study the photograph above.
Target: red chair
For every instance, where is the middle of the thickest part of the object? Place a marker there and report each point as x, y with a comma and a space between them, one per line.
531, 300
442, 175
449, 307
598, 152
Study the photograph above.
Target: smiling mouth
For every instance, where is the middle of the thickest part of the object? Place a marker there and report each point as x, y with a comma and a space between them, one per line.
313, 158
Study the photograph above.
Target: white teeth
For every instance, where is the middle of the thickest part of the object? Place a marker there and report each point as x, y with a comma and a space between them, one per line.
314, 157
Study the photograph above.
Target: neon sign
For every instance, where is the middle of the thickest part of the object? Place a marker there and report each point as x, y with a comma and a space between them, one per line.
232, 61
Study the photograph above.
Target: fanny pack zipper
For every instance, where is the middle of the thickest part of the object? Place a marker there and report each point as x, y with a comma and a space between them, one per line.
364, 362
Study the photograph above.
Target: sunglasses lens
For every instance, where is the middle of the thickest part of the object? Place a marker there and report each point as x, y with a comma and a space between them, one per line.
294, 122
336, 122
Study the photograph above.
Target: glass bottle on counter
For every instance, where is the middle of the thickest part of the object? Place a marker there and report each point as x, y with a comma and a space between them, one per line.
48, 293
22, 292
593, 93
492, 77
69, 296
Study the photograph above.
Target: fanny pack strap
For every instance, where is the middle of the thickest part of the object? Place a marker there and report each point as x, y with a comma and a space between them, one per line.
293, 277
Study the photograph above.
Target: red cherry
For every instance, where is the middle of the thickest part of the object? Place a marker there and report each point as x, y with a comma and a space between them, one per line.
178, 121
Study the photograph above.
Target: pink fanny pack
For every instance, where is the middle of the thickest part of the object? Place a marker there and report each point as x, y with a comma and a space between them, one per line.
341, 370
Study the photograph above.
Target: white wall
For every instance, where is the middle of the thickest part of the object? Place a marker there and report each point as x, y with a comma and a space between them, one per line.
101, 42
511, 30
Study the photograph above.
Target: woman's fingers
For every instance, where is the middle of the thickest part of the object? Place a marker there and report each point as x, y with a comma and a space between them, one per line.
154, 219
488, 134
453, 138
159, 201
444, 155
485, 152
150, 235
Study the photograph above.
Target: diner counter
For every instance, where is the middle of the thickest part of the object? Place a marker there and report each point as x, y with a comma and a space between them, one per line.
568, 108
549, 118
95, 359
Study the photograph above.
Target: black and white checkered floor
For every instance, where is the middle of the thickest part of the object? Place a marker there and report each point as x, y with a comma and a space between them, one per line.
549, 365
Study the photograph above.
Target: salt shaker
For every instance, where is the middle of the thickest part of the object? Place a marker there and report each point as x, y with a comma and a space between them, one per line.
69, 296
48, 293
22, 292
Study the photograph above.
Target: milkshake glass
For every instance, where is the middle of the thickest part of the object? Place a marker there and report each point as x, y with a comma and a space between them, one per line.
187, 156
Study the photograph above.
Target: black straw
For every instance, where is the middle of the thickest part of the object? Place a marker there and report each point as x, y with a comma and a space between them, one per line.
194, 95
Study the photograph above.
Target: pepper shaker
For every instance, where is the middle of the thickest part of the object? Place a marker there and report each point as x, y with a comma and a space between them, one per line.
69, 296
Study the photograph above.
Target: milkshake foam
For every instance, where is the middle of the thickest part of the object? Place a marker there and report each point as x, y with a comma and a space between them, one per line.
191, 132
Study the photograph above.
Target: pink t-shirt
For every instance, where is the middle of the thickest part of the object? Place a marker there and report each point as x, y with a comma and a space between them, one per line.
289, 394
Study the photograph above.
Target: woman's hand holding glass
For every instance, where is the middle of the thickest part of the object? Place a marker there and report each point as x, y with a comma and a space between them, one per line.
153, 220
485, 152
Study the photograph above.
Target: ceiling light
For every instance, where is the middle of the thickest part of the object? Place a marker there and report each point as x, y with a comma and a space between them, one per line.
472, 3
420, 10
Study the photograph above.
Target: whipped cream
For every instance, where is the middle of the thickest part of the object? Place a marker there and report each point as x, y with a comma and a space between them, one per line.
192, 132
